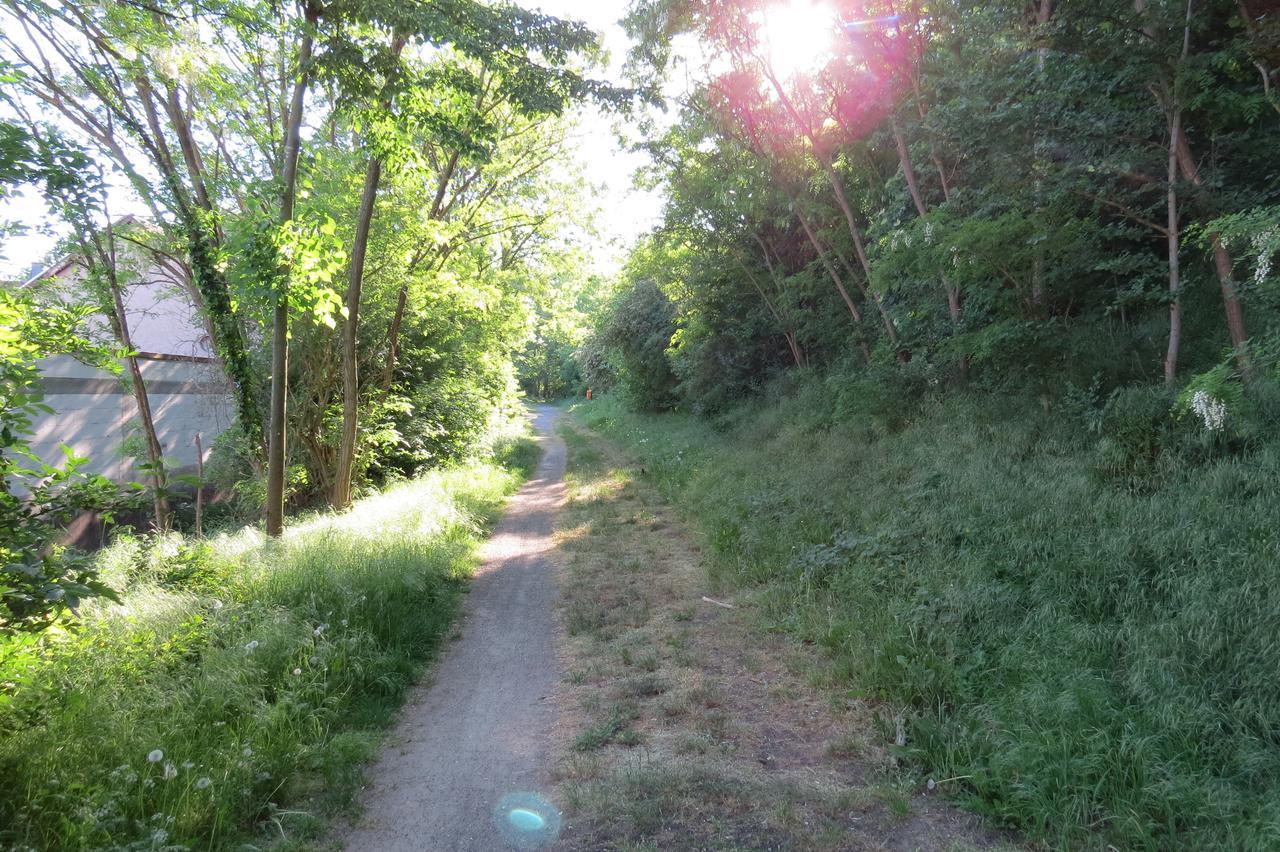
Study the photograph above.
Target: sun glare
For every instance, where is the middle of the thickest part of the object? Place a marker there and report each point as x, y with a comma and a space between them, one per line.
797, 35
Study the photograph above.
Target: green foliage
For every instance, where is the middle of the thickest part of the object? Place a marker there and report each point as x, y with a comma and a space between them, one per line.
639, 328
235, 692
1091, 663
40, 581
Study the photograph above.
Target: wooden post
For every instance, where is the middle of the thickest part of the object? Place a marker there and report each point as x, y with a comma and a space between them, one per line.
199, 487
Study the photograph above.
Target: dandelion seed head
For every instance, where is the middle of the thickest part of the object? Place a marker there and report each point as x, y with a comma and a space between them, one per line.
155, 756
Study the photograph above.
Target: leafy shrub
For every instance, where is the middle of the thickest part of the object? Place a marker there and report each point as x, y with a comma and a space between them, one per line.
40, 580
640, 324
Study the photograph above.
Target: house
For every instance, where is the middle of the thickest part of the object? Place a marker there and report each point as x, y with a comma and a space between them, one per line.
94, 410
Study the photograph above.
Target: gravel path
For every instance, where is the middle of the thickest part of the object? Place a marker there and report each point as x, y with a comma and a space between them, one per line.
461, 771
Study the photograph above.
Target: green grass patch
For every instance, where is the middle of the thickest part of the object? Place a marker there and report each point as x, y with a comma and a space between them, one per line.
239, 688
1092, 662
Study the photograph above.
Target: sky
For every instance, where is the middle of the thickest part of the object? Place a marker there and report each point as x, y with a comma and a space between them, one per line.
626, 213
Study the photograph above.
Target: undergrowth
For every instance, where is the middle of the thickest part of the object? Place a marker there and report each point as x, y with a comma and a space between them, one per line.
1084, 648
236, 692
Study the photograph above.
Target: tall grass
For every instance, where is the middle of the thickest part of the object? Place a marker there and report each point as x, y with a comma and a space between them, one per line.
1093, 663
236, 691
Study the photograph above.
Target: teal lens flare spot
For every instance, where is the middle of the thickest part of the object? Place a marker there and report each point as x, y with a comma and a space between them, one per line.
527, 820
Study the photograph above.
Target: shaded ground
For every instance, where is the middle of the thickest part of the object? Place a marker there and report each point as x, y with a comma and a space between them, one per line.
685, 724
477, 731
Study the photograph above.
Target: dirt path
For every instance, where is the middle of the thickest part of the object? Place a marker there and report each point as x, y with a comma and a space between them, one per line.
463, 769
693, 724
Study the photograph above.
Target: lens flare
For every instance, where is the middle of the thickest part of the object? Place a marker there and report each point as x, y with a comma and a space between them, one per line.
523, 819
527, 820
798, 36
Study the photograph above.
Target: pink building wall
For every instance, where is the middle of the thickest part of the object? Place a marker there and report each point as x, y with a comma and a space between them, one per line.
95, 413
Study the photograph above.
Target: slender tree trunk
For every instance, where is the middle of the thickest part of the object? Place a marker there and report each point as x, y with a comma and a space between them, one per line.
1222, 265
1044, 10
773, 311
842, 200
1175, 284
835, 279
908, 170
162, 516
393, 339
341, 495
280, 314
954, 307
342, 479
859, 248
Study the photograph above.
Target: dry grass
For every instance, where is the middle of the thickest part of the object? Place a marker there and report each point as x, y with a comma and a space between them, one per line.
687, 725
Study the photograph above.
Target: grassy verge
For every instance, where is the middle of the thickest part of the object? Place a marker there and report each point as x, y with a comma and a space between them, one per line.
235, 694
1093, 663
686, 727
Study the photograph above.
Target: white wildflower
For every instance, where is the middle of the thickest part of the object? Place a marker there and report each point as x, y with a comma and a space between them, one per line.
159, 836
170, 772
1210, 410
248, 752
203, 783
320, 629
248, 648
297, 672
928, 233
186, 764
1264, 246
216, 604
155, 756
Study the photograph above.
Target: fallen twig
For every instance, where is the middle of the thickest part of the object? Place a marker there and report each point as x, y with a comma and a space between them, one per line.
717, 603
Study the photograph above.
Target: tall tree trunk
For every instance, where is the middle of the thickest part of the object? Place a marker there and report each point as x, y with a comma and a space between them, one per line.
162, 515
342, 478
280, 314
1175, 284
341, 495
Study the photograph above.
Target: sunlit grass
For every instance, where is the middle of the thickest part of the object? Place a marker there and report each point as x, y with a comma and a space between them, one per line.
241, 683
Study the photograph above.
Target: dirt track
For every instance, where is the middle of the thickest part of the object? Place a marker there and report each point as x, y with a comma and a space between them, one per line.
462, 768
